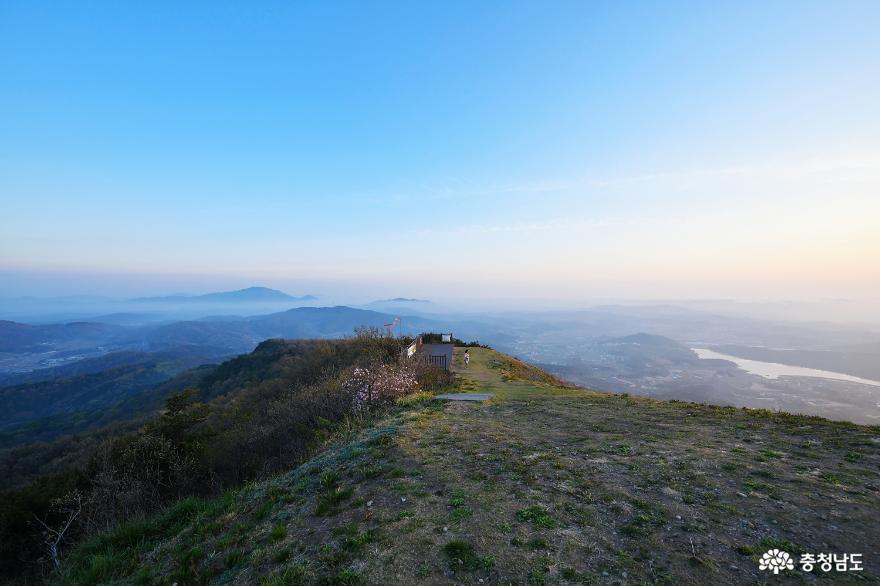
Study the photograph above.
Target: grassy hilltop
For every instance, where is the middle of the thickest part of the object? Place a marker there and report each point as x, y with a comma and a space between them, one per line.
545, 484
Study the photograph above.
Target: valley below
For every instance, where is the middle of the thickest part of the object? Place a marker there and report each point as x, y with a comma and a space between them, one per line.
718, 380
624, 457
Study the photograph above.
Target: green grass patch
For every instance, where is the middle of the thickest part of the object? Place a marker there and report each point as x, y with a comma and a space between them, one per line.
830, 478
459, 514
295, 575
347, 577
281, 556
459, 511
329, 479
115, 554
370, 470
538, 543
769, 543
233, 558
767, 455
642, 524
328, 503
461, 554
537, 516
264, 510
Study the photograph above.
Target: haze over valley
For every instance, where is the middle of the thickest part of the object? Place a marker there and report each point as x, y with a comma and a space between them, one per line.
125, 357
493, 293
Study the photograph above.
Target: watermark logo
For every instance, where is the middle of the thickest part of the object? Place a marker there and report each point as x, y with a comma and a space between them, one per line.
775, 560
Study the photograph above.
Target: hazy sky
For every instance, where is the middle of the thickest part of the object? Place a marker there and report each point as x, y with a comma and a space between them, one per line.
534, 149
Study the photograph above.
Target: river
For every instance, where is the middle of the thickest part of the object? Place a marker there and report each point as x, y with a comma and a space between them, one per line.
775, 370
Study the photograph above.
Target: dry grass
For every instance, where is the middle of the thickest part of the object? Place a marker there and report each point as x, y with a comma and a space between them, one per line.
546, 485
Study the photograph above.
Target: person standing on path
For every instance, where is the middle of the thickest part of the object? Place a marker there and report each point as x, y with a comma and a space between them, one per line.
467, 358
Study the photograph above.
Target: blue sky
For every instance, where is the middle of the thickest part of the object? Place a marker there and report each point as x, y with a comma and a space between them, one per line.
547, 149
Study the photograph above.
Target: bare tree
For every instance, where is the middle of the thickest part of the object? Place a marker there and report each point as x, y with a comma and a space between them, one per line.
69, 507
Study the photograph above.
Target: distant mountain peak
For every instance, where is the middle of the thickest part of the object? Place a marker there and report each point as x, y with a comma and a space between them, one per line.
249, 294
401, 300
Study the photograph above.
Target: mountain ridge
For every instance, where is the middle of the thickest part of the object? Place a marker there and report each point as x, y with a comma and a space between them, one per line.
543, 484
248, 294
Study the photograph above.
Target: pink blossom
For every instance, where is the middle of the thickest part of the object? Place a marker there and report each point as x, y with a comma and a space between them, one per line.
371, 388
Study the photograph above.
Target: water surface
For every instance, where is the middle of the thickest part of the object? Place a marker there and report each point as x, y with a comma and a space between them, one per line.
775, 370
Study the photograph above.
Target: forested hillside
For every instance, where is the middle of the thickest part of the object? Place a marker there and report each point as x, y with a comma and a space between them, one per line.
126, 386
247, 418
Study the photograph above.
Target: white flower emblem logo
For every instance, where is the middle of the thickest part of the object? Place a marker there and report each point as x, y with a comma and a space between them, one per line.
775, 560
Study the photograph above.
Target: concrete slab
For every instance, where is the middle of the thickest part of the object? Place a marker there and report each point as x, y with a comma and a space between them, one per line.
466, 396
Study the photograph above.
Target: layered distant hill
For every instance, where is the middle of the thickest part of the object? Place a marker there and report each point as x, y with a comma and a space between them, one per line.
103, 390
18, 337
399, 300
64, 378
401, 305
142, 310
243, 334
249, 295
25, 348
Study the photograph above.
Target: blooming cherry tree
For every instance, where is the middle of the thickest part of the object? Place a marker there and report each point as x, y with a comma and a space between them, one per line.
380, 385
